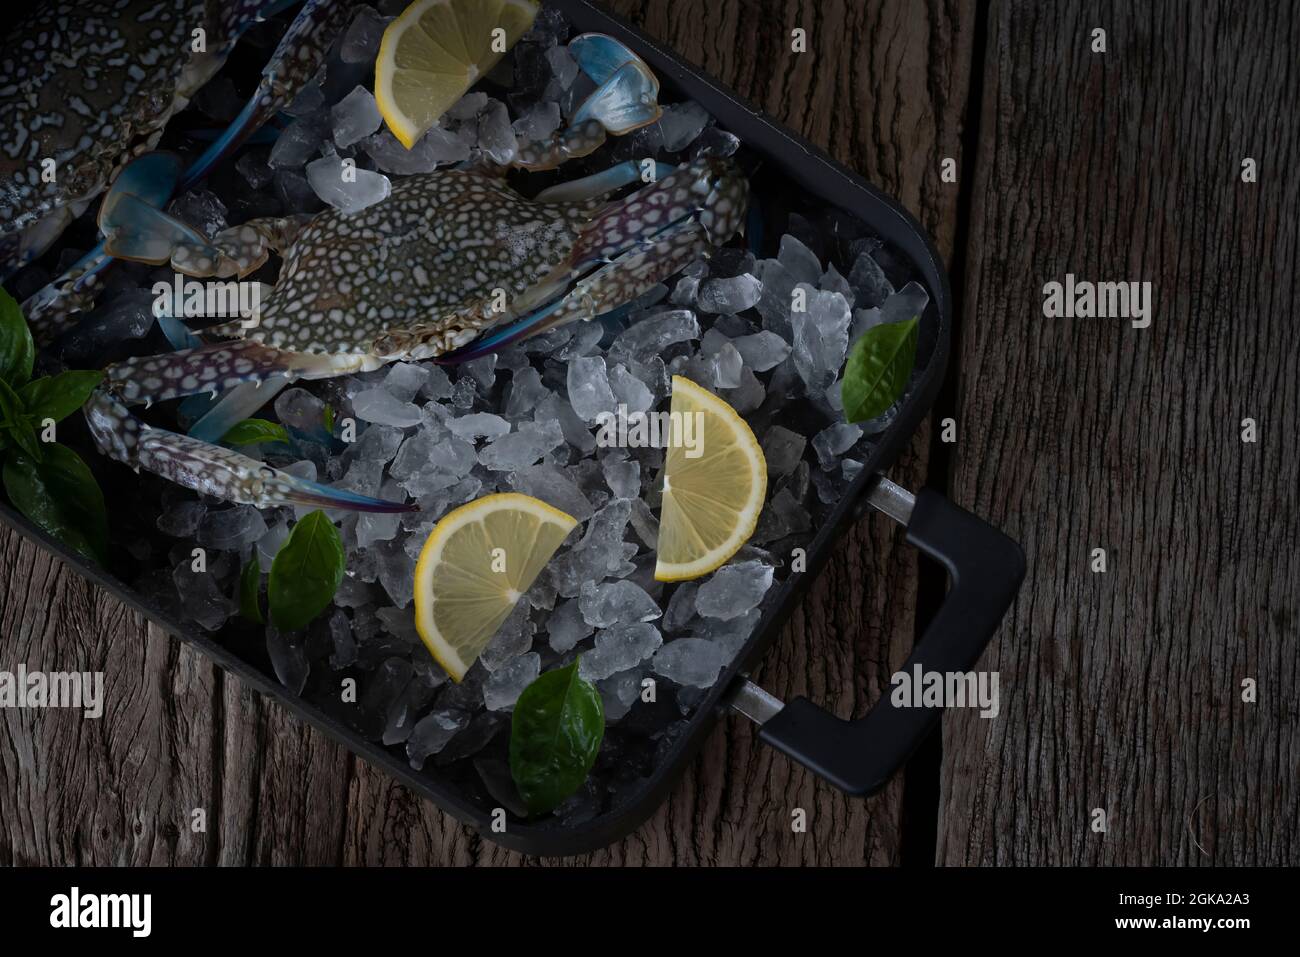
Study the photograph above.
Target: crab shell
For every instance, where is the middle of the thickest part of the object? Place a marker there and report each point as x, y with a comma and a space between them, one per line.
86, 85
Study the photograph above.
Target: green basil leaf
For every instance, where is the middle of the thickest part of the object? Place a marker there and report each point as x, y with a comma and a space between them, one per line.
328, 418
17, 351
555, 735
305, 573
58, 396
16, 422
60, 496
250, 587
255, 431
878, 369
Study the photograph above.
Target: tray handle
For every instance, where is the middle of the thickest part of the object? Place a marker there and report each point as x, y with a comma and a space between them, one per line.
986, 568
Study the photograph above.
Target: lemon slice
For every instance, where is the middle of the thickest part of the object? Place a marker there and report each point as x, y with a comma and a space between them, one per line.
476, 563
712, 500
435, 51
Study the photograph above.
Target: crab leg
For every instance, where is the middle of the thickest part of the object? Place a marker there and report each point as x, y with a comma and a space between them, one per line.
299, 54
196, 464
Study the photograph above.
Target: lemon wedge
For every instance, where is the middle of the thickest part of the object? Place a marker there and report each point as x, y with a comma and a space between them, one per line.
435, 51
713, 491
476, 564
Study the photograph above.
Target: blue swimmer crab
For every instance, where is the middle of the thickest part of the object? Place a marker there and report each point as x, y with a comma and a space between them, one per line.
451, 265
86, 85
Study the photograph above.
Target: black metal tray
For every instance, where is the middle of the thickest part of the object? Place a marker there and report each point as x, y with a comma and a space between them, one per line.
986, 566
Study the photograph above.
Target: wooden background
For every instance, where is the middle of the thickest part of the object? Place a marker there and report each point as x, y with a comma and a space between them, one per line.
1119, 691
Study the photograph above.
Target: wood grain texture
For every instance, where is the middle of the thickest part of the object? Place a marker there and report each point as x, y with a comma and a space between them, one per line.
883, 89
1122, 690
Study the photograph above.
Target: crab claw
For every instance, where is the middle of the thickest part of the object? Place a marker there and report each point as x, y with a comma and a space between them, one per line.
626, 98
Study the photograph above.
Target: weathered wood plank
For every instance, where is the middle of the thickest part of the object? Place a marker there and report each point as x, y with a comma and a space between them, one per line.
1122, 691
183, 735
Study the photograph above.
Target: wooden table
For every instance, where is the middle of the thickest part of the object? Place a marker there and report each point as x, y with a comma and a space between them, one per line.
1121, 691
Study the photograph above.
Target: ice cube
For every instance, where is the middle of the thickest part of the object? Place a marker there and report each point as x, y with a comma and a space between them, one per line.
360, 43
644, 523
783, 450
692, 662
620, 692
681, 607
288, 658
380, 406
538, 122
564, 69
432, 733
730, 295
681, 124
832, 442
355, 116
628, 390
299, 141
821, 337
201, 598
762, 351
344, 646
438, 147
556, 489
253, 167
348, 189
565, 626
908, 303
503, 688
686, 292
799, 261
616, 603
201, 209
618, 649
652, 335
623, 478
468, 106
478, 425
232, 528
715, 142
522, 448
599, 554
396, 571
777, 299
181, 520
474, 738
734, 590
727, 367
589, 389
269, 545
870, 285
512, 639
833, 281
380, 526
576, 432
495, 136
405, 380
438, 385
299, 409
